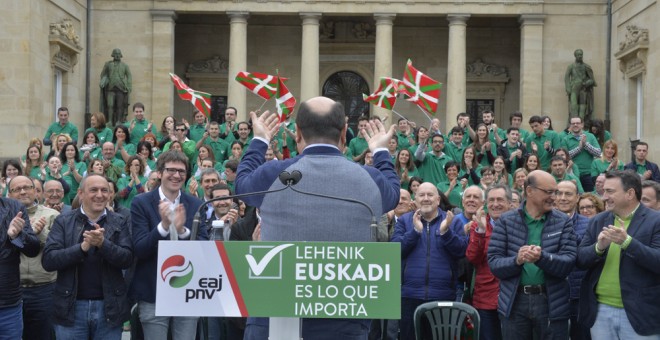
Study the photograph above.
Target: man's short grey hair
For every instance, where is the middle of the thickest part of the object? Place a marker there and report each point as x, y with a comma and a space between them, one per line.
208, 172
483, 195
507, 191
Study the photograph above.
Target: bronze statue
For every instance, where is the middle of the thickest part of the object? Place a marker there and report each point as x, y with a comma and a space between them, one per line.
579, 81
116, 85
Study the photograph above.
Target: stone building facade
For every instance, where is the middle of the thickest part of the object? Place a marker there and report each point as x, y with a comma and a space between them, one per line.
502, 54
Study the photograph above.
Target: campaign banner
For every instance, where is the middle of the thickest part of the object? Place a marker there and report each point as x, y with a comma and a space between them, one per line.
279, 279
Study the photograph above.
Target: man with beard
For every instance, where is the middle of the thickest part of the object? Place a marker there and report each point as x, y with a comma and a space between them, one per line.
486, 285
532, 250
495, 134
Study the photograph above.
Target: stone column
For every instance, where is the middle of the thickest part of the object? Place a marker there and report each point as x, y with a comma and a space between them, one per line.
531, 64
383, 59
162, 91
236, 93
309, 69
456, 68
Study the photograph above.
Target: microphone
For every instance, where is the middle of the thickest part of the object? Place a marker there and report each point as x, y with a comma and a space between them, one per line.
284, 174
290, 178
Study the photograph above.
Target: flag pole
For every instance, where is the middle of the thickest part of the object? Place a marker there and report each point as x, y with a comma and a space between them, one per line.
425, 113
262, 105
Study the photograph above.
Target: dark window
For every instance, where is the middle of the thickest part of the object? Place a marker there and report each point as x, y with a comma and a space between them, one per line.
347, 88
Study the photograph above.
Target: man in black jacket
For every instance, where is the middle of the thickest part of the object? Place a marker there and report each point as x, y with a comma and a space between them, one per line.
16, 237
89, 247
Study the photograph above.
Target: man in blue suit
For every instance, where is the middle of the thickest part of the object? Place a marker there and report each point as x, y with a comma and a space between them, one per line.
621, 250
289, 216
153, 216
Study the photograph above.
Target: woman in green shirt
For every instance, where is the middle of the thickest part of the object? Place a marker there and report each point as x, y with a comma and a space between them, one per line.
97, 121
146, 153
413, 185
482, 145
133, 183
608, 161
122, 141
34, 161
72, 168
470, 166
453, 187
405, 167
501, 175
90, 148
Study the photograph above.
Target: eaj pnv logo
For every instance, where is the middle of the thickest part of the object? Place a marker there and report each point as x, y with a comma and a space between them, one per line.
177, 271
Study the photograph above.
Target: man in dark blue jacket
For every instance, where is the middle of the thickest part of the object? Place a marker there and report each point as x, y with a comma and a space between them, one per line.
621, 252
532, 250
16, 237
430, 250
154, 215
89, 247
642, 166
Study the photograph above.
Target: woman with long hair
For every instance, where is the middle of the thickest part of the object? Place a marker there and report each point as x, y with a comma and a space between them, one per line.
469, 166
413, 185
236, 148
598, 130
153, 140
532, 163
485, 149
405, 167
164, 135
133, 183
421, 138
34, 161
145, 151
97, 122
501, 175
10, 169
58, 144
72, 168
33, 141
122, 141
205, 152
91, 146
608, 161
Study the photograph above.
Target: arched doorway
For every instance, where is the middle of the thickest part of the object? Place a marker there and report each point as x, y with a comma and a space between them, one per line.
347, 88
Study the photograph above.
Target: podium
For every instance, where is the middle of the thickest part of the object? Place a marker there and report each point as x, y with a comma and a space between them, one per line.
284, 281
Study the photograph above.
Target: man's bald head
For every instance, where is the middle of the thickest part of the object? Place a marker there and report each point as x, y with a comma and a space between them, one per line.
321, 120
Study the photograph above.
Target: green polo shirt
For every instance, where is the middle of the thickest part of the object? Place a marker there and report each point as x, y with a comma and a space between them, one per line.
455, 195
219, 148
608, 288
583, 159
140, 129
404, 143
599, 166
531, 274
357, 146
230, 136
57, 129
454, 151
544, 155
197, 132
432, 169
104, 135
571, 177
499, 132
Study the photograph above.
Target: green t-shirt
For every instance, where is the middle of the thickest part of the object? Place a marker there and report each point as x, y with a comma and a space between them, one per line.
432, 169
57, 129
608, 288
197, 132
455, 195
600, 166
140, 129
357, 146
543, 154
122, 184
104, 135
404, 142
531, 273
455, 152
571, 177
219, 148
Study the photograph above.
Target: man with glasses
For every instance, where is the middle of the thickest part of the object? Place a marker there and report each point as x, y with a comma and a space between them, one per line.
566, 202
432, 164
620, 250
53, 195
151, 216
582, 147
16, 238
37, 284
532, 250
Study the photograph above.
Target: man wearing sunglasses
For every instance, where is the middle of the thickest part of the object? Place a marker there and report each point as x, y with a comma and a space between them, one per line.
181, 136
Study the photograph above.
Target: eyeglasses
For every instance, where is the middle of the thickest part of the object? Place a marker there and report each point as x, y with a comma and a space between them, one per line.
180, 130
438, 142
54, 191
587, 207
172, 171
549, 192
19, 189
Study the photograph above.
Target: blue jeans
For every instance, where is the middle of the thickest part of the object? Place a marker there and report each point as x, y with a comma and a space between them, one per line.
577, 331
89, 323
37, 304
11, 322
529, 320
490, 325
156, 327
612, 323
